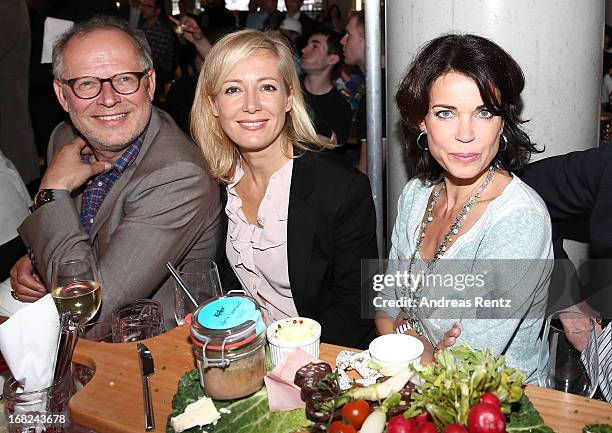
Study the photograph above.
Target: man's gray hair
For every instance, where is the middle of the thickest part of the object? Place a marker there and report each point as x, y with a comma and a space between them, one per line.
100, 22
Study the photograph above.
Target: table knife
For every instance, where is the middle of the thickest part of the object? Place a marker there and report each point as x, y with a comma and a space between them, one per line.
146, 369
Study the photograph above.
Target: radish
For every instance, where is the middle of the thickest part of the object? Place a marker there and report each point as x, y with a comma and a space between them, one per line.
427, 427
486, 418
455, 428
490, 398
422, 417
399, 424
375, 422
378, 391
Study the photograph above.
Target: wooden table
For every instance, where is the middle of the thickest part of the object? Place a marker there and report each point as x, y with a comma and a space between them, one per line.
112, 401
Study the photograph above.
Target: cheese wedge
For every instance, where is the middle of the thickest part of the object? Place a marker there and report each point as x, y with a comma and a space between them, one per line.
198, 413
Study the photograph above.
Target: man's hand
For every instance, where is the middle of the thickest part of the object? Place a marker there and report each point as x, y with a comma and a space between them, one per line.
25, 282
67, 170
578, 327
188, 28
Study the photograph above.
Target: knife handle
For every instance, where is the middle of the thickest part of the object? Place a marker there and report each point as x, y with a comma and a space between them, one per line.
148, 404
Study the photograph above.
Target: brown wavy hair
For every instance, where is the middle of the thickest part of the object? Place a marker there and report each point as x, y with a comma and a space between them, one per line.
500, 82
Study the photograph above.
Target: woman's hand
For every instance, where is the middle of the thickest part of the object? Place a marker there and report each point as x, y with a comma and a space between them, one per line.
450, 338
399, 320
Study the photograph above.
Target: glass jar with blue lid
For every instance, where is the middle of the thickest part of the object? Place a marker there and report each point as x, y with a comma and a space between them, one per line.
228, 336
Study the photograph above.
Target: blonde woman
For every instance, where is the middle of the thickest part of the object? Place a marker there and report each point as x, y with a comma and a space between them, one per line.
300, 219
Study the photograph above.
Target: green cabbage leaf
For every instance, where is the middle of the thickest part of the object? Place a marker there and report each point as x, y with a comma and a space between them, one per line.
246, 415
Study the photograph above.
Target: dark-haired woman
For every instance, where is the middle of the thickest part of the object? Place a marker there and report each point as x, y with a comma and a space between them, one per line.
459, 106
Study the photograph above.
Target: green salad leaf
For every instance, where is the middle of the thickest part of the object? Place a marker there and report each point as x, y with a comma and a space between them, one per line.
597, 428
247, 415
526, 419
455, 382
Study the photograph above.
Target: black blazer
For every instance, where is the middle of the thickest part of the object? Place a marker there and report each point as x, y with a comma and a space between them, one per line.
331, 227
579, 185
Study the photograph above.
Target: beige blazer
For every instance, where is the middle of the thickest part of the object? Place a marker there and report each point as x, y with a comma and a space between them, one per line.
165, 207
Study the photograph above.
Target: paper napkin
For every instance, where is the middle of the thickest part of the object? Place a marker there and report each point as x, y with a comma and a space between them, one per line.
28, 342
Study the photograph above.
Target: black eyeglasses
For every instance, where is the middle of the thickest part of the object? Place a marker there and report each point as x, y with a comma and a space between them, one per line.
125, 83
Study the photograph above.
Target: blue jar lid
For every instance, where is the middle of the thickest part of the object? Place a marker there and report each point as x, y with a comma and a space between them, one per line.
230, 312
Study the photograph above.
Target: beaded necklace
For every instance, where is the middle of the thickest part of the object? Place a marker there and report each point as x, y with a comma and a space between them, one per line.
415, 295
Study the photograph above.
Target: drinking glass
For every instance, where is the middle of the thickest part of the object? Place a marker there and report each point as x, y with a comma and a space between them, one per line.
50, 404
137, 320
202, 280
98, 331
76, 285
561, 365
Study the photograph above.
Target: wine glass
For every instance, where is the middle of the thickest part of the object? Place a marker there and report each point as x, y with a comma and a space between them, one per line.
76, 286
202, 279
568, 359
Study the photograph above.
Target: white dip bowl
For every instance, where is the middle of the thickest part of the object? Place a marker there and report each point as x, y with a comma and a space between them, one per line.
291, 333
393, 352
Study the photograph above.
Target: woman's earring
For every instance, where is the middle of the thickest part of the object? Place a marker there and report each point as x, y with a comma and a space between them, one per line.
503, 140
419, 145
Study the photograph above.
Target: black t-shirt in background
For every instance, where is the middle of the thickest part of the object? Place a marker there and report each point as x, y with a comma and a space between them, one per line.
330, 112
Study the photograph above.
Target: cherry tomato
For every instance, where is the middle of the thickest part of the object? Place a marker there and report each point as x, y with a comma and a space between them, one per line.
486, 418
399, 424
455, 428
427, 427
422, 417
490, 398
341, 427
356, 412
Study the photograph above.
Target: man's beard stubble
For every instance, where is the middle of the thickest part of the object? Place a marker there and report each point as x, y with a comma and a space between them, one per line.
96, 143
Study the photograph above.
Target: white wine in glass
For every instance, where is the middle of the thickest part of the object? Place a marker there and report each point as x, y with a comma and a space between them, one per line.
76, 287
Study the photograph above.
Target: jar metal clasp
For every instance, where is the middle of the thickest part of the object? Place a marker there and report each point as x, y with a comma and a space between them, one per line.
223, 362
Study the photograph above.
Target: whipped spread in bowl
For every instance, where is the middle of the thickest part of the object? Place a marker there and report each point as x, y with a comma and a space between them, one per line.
294, 332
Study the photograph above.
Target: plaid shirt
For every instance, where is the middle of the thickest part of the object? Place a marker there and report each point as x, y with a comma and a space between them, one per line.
100, 185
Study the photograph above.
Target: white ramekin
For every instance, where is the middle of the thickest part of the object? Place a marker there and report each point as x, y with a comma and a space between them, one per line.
278, 348
394, 352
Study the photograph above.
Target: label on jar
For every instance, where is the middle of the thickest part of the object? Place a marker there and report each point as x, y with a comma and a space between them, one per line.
229, 312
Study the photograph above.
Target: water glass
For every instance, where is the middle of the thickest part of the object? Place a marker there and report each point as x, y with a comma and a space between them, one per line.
202, 280
99, 331
137, 320
41, 410
568, 359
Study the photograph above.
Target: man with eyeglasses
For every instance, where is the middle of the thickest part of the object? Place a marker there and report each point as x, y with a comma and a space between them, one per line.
124, 181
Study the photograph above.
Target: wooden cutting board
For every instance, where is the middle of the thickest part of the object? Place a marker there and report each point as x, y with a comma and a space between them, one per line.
112, 402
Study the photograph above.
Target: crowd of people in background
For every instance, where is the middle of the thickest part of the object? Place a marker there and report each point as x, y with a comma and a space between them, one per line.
179, 48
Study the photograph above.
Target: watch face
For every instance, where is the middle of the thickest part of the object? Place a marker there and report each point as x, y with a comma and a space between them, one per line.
43, 196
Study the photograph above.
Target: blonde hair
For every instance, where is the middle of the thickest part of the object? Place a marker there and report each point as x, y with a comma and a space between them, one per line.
219, 151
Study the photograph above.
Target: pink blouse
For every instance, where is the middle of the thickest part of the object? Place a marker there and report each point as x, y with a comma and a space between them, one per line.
258, 255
